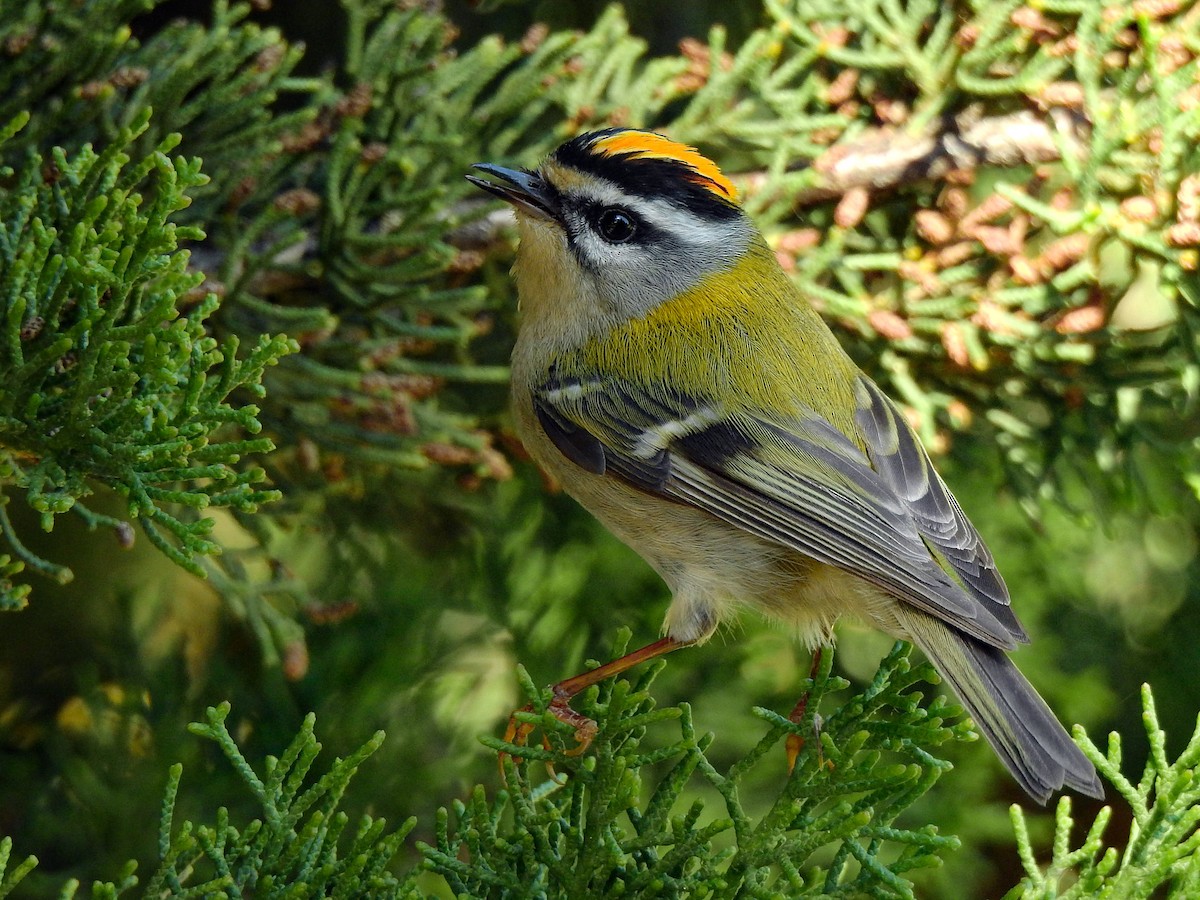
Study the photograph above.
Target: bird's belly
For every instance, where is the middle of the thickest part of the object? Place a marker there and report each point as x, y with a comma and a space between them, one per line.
714, 568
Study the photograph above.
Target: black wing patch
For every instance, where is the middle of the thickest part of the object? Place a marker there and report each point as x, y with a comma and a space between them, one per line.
573, 442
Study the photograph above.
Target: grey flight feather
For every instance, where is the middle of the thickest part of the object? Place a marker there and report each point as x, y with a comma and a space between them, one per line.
902, 462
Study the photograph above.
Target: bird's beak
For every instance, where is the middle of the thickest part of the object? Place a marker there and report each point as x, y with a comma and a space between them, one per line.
525, 190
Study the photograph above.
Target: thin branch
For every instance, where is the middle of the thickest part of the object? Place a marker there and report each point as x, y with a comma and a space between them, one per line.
883, 160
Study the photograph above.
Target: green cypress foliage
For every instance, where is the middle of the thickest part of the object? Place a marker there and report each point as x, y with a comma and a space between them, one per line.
613, 822
608, 823
110, 377
608, 827
1160, 858
206, 254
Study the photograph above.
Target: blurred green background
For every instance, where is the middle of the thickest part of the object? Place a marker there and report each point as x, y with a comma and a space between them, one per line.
430, 594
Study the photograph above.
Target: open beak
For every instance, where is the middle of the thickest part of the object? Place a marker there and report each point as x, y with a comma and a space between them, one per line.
524, 190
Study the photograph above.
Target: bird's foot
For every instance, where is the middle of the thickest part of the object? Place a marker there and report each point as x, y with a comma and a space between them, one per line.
520, 727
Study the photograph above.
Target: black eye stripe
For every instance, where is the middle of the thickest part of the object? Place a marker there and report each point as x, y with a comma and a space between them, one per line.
603, 220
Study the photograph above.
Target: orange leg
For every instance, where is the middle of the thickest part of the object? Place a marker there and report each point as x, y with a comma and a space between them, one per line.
795, 743
560, 702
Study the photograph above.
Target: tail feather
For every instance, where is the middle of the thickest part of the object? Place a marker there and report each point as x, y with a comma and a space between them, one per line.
1016, 721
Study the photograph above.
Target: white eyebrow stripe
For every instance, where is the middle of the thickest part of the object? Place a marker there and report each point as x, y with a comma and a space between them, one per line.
654, 440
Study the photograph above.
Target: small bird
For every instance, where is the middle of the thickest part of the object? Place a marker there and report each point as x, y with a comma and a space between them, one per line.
675, 381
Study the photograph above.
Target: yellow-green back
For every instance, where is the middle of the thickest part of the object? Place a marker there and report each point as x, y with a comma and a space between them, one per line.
745, 336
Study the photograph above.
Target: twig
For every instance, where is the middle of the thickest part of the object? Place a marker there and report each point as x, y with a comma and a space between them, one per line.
883, 160
481, 233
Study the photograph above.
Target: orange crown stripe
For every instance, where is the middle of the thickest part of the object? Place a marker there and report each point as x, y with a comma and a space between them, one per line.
647, 144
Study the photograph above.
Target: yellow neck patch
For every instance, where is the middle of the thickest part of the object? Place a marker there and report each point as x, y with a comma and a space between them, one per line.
648, 145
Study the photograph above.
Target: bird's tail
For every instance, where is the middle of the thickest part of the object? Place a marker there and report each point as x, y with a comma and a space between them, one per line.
1016, 721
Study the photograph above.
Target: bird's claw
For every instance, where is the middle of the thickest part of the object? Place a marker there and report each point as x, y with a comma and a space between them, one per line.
560, 702
795, 742
518, 731
792, 746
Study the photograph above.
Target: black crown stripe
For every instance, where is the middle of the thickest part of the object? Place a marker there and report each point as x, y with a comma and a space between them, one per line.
653, 178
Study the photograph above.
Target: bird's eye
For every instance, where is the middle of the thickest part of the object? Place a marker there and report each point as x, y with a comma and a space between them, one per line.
615, 225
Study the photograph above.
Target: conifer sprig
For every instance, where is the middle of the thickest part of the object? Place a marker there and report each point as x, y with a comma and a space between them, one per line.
830, 832
623, 818
110, 378
1160, 858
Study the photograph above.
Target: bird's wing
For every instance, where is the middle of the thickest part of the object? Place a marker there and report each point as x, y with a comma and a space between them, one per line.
898, 457
883, 515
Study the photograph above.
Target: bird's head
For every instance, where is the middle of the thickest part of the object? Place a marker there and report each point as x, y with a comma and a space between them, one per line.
615, 222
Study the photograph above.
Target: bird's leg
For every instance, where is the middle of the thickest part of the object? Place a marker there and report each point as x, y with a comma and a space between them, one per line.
795, 742
560, 702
